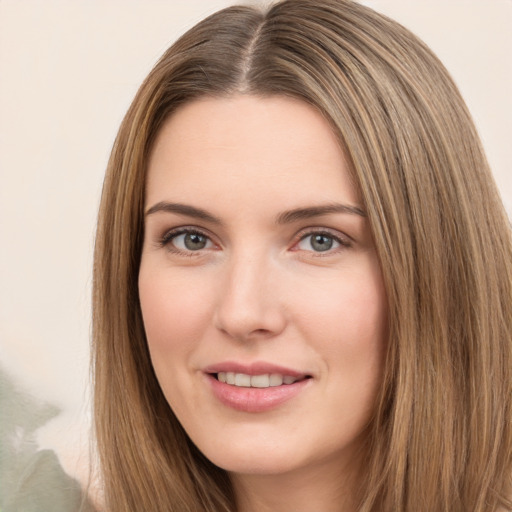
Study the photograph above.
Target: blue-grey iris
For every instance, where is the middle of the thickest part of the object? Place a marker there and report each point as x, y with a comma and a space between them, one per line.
321, 242
195, 241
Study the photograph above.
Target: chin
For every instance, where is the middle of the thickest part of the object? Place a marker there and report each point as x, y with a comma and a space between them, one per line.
257, 456
271, 454
264, 464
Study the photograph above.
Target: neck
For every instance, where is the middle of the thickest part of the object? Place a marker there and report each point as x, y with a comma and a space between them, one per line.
313, 488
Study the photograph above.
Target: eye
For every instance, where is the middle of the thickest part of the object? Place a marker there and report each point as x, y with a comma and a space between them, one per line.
187, 240
321, 242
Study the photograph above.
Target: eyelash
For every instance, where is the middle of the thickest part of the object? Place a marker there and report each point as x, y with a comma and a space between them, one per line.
343, 241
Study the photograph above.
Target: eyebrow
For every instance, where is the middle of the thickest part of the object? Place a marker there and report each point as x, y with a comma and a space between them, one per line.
183, 209
286, 217
317, 211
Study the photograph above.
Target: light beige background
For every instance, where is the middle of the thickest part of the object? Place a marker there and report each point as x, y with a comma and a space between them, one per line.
68, 71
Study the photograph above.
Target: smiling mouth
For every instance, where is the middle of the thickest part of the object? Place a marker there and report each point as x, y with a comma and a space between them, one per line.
267, 380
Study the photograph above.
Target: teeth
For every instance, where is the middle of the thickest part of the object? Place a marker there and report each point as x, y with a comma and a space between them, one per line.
260, 381
276, 380
255, 381
242, 380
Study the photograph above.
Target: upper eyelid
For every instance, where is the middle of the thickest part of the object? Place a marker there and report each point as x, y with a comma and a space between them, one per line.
335, 233
169, 233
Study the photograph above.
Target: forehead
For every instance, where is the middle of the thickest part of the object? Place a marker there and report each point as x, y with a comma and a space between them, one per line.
248, 144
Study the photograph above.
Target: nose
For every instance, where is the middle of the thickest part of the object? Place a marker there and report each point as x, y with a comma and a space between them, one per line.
250, 302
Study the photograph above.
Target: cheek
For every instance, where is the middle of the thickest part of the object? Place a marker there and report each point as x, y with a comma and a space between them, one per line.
175, 315
351, 310
174, 311
345, 318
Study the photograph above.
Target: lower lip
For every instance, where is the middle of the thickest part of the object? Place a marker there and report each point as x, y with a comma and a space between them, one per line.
255, 399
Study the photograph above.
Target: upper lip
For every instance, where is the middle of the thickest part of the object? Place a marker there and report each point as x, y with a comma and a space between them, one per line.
255, 368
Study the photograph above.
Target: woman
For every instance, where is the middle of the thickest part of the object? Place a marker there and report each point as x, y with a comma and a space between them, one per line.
302, 277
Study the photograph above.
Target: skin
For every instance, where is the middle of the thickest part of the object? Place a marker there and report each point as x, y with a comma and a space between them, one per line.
261, 290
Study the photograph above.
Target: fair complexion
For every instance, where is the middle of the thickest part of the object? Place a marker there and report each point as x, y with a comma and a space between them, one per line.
258, 263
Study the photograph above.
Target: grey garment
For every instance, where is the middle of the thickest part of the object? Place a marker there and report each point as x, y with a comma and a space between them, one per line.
31, 480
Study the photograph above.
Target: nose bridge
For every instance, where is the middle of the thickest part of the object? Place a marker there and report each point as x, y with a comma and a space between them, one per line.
249, 304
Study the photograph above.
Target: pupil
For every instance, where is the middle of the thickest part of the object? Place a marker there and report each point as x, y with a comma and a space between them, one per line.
194, 242
321, 242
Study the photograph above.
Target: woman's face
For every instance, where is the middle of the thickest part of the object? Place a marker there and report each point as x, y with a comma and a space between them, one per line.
260, 288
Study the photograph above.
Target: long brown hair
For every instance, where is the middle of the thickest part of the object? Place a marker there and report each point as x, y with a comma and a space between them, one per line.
441, 436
